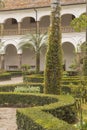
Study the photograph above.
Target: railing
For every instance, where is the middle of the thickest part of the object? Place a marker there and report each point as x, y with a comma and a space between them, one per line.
26, 31
67, 29
7, 32
10, 32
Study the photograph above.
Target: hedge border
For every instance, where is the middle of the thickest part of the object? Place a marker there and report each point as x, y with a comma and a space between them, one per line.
46, 121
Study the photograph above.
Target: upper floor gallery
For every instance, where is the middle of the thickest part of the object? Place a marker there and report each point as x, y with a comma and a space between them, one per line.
37, 19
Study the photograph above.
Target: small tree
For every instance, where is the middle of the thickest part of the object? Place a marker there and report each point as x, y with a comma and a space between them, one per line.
53, 68
80, 24
37, 41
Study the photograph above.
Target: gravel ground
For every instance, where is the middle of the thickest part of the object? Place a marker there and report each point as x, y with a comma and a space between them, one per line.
12, 81
8, 115
8, 119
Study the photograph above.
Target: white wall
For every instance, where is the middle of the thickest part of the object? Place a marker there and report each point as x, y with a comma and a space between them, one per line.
29, 57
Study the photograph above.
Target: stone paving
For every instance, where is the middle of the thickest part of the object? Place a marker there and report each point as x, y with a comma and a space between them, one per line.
8, 119
12, 81
8, 115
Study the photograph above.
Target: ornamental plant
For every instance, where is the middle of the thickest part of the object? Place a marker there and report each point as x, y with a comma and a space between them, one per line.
53, 67
79, 24
35, 41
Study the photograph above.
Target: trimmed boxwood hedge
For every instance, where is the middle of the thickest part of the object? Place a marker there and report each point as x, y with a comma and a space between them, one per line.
22, 99
15, 73
46, 117
43, 114
5, 76
36, 119
11, 87
38, 78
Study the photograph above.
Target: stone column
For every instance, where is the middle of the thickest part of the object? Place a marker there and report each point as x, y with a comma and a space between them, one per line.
37, 27
20, 60
2, 29
19, 28
2, 61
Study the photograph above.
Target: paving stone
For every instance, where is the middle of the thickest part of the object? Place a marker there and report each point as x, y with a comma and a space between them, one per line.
8, 119
12, 81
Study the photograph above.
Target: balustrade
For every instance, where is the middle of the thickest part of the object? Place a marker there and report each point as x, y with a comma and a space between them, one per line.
32, 30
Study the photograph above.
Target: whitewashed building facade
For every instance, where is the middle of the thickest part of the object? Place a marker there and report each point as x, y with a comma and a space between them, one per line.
20, 17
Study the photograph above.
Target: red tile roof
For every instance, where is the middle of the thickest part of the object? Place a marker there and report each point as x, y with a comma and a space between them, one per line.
20, 4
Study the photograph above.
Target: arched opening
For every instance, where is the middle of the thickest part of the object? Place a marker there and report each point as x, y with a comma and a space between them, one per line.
11, 23
28, 24
28, 57
65, 22
42, 57
44, 23
66, 19
68, 54
11, 58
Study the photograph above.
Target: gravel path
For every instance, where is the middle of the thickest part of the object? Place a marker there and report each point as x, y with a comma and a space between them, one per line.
12, 81
8, 115
8, 119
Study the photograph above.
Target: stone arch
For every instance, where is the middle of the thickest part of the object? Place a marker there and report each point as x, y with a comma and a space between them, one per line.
28, 57
42, 57
8, 42
7, 18
10, 23
28, 22
68, 54
66, 19
11, 57
44, 23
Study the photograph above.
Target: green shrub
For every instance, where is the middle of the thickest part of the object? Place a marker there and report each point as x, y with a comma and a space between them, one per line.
43, 117
25, 67
38, 78
72, 73
53, 64
5, 76
65, 74
28, 89
11, 87
25, 99
36, 119
15, 73
47, 117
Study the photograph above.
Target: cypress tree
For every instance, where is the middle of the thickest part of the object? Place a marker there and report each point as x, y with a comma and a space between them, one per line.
53, 67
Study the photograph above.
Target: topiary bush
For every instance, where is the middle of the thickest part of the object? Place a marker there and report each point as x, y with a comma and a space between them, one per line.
54, 68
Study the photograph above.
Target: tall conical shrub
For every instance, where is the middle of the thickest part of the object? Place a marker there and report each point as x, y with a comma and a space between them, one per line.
53, 67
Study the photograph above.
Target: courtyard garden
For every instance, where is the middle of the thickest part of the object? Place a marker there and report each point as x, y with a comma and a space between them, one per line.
49, 100
36, 110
